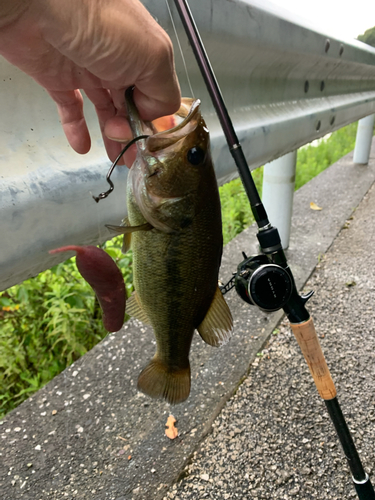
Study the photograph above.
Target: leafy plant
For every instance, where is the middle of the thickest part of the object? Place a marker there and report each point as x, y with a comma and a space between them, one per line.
368, 37
311, 160
235, 207
46, 324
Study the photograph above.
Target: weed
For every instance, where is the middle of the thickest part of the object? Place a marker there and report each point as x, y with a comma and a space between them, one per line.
47, 323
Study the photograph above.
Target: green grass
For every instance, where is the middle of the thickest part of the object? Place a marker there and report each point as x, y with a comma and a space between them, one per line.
50, 321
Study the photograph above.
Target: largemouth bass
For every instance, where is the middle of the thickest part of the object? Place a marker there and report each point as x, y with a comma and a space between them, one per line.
174, 221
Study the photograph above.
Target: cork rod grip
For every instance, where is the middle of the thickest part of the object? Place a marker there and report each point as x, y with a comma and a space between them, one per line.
308, 341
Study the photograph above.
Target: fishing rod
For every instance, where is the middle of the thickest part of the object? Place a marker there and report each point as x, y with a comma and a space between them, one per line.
266, 280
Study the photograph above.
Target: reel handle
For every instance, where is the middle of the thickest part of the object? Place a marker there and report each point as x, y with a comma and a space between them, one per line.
310, 346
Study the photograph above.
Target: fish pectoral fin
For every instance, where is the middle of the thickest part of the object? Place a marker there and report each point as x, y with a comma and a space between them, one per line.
134, 308
216, 328
161, 381
129, 229
127, 240
126, 243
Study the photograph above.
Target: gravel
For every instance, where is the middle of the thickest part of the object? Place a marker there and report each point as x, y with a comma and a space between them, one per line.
274, 438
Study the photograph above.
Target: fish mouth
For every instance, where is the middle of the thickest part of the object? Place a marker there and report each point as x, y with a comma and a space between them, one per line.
184, 121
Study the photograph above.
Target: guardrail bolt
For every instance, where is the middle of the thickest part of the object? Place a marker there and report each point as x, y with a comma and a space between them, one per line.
341, 49
306, 86
317, 128
322, 85
327, 45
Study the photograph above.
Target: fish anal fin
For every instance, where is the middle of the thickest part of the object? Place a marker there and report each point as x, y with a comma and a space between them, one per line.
216, 328
160, 381
134, 308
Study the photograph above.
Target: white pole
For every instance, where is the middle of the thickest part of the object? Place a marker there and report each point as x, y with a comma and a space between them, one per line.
278, 189
363, 140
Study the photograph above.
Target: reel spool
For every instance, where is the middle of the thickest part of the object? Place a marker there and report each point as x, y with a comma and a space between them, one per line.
262, 283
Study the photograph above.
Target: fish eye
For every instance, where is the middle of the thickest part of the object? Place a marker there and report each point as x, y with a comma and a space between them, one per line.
195, 156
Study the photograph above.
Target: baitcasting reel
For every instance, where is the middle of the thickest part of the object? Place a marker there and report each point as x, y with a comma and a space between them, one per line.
266, 281
262, 283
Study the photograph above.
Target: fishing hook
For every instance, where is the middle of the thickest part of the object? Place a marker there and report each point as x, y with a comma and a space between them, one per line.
103, 195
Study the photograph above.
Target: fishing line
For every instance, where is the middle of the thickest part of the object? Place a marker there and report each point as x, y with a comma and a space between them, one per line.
180, 48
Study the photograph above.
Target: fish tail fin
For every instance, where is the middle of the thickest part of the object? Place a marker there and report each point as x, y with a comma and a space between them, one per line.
158, 380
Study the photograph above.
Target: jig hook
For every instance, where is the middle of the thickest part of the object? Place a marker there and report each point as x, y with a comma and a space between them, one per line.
103, 195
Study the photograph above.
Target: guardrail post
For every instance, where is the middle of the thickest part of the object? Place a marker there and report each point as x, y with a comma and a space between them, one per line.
363, 140
278, 189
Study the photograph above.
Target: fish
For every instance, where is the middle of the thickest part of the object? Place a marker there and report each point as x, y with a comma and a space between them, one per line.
175, 231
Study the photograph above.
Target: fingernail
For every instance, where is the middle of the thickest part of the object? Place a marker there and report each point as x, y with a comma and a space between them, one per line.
119, 139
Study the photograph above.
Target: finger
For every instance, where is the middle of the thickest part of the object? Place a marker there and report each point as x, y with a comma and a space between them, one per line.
157, 91
117, 129
105, 110
70, 109
118, 97
103, 103
129, 156
151, 108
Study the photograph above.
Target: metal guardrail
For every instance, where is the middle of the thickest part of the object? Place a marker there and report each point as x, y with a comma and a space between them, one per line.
285, 84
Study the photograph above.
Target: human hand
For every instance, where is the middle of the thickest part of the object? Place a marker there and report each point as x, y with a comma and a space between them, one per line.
100, 46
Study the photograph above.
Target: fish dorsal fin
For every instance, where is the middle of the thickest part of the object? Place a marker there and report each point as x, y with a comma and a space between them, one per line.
217, 326
134, 309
